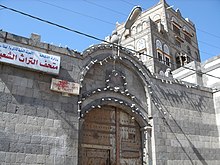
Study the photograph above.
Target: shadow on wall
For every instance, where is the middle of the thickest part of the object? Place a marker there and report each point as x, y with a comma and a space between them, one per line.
175, 99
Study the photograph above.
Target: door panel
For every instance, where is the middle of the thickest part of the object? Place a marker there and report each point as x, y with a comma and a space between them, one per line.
110, 136
95, 156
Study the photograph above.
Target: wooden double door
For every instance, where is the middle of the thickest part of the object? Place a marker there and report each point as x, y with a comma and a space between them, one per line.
110, 136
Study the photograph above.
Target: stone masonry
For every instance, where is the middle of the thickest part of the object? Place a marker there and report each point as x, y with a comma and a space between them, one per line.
40, 126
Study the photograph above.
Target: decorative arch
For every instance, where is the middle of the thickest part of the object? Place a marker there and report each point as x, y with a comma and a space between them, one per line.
158, 44
144, 24
173, 19
141, 44
166, 49
115, 91
95, 55
139, 28
186, 29
157, 18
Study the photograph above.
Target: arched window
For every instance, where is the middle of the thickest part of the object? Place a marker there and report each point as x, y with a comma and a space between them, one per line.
157, 18
141, 44
166, 49
166, 57
158, 45
139, 28
159, 50
175, 25
187, 34
173, 19
186, 29
144, 25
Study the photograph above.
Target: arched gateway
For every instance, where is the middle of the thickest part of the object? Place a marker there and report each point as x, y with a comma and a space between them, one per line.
113, 109
110, 136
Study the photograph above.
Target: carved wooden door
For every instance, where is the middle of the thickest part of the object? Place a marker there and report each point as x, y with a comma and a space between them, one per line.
109, 136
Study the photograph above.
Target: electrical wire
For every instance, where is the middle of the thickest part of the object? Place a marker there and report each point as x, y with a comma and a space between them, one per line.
101, 20
104, 7
208, 33
75, 12
209, 44
93, 37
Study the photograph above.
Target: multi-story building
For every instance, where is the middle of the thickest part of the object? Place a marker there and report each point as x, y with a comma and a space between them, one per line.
162, 38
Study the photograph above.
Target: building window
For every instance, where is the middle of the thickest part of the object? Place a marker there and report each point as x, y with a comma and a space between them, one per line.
187, 34
166, 49
160, 56
163, 54
176, 26
158, 44
182, 59
178, 61
176, 30
156, 18
167, 61
159, 51
144, 25
141, 44
139, 28
188, 51
177, 43
187, 38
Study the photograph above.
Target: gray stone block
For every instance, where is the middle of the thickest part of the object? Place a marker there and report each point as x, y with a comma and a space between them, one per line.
10, 128
33, 149
20, 158
30, 110
23, 138
17, 147
31, 159
59, 160
32, 120
49, 160
10, 157
46, 150
49, 123
42, 112
36, 139
2, 156
41, 159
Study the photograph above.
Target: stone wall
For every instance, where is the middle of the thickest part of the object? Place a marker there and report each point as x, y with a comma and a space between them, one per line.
37, 125
184, 124
40, 126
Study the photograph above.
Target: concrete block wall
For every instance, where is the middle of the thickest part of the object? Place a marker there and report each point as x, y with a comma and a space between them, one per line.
37, 125
185, 124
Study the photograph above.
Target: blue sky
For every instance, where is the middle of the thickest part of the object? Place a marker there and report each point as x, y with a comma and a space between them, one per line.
98, 18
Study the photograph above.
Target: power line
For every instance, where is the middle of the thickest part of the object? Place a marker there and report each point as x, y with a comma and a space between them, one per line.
104, 7
54, 24
129, 3
208, 33
75, 12
101, 6
93, 37
209, 44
